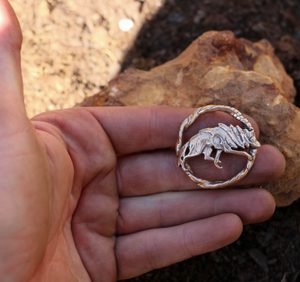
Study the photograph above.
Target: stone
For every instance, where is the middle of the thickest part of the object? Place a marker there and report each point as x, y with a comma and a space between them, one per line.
218, 68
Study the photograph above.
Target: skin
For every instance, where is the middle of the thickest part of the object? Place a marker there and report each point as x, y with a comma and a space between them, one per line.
95, 193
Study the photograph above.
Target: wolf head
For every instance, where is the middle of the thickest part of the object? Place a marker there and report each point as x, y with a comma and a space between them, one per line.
251, 138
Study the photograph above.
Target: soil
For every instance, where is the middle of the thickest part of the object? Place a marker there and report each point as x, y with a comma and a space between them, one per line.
73, 48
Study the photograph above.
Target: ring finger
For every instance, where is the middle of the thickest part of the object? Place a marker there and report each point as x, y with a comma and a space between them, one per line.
174, 208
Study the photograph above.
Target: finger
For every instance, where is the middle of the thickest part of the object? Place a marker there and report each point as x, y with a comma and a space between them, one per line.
151, 173
10, 46
174, 208
136, 129
11, 95
147, 250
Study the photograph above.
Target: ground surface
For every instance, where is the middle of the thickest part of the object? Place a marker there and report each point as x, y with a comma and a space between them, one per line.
72, 48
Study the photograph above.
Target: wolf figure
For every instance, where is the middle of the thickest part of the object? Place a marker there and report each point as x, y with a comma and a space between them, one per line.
223, 138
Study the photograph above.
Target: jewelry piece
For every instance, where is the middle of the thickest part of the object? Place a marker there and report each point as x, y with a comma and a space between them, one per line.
222, 138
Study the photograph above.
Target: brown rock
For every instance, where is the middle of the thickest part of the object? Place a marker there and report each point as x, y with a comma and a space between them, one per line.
218, 68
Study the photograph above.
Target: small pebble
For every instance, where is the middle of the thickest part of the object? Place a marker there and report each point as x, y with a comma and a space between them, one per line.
126, 24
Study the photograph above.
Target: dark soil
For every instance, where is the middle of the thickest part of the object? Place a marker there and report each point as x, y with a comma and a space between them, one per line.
268, 251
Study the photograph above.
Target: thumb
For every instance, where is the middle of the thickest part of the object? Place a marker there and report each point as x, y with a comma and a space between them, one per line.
11, 88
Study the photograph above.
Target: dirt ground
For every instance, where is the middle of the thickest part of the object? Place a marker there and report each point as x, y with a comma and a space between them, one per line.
73, 48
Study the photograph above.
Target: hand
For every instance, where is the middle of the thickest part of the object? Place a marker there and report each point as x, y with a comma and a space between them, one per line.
95, 194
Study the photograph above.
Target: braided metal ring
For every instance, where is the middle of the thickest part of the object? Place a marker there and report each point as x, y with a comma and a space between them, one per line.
223, 138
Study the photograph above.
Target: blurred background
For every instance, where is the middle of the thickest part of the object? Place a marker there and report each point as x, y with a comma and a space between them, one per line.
72, 48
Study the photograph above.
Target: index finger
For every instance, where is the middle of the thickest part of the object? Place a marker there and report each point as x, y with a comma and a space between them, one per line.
137, 129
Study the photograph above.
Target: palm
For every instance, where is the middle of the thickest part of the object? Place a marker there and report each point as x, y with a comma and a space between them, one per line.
86, 193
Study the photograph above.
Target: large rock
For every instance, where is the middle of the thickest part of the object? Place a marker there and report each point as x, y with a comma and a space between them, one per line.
218, 68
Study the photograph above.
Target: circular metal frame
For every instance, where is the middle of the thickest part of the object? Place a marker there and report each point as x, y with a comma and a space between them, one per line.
252, 145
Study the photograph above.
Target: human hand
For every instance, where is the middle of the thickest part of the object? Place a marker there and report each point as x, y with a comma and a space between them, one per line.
95, 194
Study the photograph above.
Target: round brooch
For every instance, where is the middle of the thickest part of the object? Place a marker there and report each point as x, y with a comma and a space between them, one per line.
212, 142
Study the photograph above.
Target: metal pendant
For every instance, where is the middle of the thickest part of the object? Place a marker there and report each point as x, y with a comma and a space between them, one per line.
223, 138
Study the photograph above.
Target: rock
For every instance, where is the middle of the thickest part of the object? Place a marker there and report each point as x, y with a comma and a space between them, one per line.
219, 68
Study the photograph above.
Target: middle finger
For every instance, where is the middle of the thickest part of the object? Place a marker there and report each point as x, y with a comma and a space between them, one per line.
150, 173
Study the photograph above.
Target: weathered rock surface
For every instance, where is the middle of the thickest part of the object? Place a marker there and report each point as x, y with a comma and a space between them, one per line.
218, 68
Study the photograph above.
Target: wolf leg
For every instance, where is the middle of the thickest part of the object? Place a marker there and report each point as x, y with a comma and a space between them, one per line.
217, 161
207, 152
